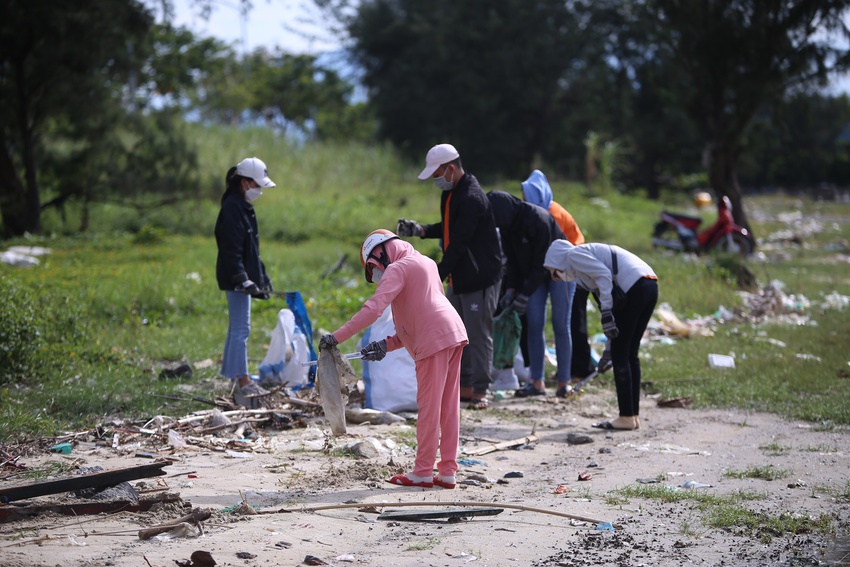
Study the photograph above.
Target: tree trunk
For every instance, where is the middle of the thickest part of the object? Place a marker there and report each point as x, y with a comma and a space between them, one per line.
723, 176
12, 195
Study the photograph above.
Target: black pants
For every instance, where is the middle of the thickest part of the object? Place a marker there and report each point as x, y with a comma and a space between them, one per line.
632, 318
582, 364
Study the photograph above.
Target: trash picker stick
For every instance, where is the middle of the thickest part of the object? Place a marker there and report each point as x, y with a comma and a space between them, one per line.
441, 503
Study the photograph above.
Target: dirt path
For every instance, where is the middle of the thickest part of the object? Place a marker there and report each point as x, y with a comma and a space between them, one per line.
289, 469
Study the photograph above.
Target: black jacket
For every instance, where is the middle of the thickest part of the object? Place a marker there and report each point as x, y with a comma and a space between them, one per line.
238, 245
526, 231
471, 247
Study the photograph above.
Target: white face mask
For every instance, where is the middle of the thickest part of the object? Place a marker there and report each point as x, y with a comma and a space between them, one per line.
564, 276
253, 194
377, 274
442, 183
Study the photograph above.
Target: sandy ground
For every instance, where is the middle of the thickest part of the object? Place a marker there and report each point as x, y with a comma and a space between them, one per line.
289, 470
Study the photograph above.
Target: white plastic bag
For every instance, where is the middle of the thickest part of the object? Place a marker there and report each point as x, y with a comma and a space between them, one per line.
287, 350
390, 385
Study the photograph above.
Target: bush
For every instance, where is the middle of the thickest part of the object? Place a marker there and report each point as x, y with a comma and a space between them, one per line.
20, 338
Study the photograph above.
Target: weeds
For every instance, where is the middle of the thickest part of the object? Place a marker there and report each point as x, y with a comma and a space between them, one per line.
821, 449
775, 449
423, 545
768, 472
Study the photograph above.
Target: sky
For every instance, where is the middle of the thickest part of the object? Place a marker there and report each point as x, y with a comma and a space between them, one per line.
293, 25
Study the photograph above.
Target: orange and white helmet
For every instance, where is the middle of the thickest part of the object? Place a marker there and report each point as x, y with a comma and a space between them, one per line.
375, 239
702, 199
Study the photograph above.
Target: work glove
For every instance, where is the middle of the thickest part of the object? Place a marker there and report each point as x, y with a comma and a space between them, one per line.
609, 326
520, 304
605, 360
507, 298
327, 341
375, 350
248, 287
408, 228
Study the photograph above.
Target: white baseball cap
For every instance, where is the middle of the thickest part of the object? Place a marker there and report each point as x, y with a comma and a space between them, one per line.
437, 156
254, 168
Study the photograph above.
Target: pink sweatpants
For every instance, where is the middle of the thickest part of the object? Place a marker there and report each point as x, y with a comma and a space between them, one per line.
438, 425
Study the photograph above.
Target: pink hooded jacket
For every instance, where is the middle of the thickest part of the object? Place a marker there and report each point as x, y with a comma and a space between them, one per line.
425, 321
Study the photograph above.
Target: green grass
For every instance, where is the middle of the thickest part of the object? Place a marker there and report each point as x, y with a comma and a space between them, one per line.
137, 293
768, 472
728, 512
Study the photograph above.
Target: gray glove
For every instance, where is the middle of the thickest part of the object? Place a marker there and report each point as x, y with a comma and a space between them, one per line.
248, 287
520, 304
507, 298
375, 350
605, 360
327, 341
408, 228
609, 326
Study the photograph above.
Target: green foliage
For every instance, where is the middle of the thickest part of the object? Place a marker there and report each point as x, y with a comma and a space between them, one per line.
66, 62
20, 338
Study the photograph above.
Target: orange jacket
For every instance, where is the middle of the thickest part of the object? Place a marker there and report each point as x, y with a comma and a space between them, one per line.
567, 223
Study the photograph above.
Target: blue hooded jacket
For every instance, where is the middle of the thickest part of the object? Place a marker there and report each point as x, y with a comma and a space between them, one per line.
536, 190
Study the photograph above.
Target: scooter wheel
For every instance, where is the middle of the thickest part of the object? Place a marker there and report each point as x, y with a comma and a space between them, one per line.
735, 243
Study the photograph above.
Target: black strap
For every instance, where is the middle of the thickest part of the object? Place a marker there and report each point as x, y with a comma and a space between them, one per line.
613, 262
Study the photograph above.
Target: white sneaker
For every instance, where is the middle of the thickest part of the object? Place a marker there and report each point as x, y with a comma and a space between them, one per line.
523, 373
504, 379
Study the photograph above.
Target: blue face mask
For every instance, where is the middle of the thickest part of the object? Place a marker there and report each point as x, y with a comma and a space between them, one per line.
377, 274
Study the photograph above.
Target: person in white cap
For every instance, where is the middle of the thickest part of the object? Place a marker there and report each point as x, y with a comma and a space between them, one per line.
471, 263
240, 272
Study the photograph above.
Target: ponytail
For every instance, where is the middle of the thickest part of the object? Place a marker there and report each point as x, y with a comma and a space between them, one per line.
232, 183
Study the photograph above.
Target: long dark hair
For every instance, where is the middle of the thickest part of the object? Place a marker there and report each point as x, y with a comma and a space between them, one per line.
232, 183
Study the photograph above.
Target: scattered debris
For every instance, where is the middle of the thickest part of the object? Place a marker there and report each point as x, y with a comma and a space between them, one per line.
503, 445
680, 402
454, 513
95, 480
197, 516
578, 438
198, 559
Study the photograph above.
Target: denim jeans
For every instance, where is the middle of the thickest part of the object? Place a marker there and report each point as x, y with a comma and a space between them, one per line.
561, 294
234, 361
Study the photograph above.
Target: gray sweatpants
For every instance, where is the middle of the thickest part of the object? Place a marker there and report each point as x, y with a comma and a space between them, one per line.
476, 309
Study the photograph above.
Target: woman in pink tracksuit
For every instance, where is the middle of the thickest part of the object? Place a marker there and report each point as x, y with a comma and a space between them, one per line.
432, 332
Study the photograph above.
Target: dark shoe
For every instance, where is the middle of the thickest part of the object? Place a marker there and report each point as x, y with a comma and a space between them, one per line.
528, 391
607, 425
564, 392
478, 404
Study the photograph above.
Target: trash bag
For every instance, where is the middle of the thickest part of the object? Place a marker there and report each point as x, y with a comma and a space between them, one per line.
506, 332
389, 385
302, 321
334, 380
288, 349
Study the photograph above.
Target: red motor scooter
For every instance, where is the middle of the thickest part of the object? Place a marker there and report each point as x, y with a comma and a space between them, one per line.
679, 231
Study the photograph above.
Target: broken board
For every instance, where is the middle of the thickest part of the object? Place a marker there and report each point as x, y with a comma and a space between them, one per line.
449, 514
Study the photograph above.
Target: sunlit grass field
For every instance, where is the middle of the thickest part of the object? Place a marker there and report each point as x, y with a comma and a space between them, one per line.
113, 307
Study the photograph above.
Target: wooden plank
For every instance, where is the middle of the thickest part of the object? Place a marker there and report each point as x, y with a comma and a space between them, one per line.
17, 512
439, 514
500, 446
94, 480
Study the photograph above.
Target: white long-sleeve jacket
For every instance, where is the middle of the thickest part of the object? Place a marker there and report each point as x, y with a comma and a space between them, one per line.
591, 267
